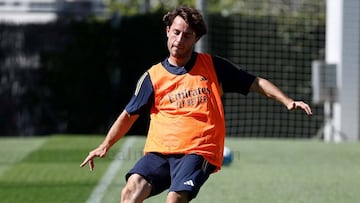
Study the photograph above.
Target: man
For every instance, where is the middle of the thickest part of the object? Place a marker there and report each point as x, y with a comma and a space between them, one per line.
185, 140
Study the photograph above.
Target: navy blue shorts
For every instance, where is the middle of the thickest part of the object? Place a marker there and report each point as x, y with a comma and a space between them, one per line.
174, 172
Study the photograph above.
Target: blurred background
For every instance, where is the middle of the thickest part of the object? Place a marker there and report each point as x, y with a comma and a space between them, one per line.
71, 66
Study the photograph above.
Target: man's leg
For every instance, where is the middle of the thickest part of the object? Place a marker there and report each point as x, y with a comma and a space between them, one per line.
188, 174
177, 197
136, 190
150, 176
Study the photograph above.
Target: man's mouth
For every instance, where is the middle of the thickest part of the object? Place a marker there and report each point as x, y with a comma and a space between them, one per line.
178, 46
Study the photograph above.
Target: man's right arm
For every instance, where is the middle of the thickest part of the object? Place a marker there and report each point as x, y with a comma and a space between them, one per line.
120, 127
139, 103
122, 124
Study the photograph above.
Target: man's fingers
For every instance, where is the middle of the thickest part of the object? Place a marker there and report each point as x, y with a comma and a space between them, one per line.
90, 158
308, 110
91, 165
303, 106
85, 161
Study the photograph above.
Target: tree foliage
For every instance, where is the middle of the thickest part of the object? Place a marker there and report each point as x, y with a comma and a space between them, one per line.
226, 7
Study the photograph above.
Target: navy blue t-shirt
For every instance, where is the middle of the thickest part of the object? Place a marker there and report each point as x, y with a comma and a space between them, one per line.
231, 77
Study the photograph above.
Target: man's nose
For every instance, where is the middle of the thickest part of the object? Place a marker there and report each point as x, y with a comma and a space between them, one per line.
180, 37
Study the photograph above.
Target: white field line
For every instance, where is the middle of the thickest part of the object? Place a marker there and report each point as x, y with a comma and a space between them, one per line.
99, 191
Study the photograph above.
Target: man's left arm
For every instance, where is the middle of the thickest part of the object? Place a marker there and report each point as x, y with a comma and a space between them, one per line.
269, 90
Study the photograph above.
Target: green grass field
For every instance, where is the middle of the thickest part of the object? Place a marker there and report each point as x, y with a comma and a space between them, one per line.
46, 169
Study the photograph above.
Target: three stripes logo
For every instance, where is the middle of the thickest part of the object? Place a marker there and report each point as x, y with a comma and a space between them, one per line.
189, 182
203, 78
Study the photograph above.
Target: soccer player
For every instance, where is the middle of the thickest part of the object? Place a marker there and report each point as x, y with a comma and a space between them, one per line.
185, 139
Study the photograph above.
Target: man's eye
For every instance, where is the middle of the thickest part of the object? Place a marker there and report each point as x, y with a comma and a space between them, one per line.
188, 35
176, 32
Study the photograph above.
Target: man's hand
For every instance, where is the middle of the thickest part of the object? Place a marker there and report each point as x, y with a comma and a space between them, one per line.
98, 152
300, 105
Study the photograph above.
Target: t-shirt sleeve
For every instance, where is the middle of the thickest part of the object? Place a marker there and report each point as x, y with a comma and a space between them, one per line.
143, 96
231, 77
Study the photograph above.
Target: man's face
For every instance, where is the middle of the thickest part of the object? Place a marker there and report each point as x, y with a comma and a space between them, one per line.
181, 38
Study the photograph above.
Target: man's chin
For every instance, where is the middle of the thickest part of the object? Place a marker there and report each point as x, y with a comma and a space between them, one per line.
178, 52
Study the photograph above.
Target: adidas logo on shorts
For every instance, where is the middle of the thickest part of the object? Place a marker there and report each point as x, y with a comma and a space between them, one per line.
189, 182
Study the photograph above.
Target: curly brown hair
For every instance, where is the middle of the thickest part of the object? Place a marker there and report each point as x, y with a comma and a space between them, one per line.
191, 16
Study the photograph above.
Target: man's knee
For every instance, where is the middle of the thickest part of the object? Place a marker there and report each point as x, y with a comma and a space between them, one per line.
177, 197
136, 189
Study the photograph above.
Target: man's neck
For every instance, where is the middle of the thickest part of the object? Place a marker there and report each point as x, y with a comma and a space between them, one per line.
179, 62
